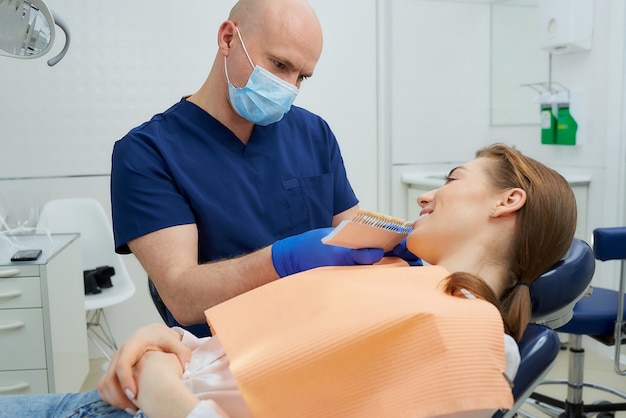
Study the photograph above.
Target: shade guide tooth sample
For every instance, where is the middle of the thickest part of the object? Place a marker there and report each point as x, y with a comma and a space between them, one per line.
369, 230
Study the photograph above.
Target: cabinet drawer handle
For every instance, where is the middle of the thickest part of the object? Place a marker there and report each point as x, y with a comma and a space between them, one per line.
10, 294
12, 326
9, 273
14, 388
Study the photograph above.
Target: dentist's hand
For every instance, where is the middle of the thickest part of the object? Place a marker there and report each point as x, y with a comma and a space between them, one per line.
306, 251
402, 252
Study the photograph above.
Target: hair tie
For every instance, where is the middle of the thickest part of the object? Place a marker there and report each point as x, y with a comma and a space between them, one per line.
522, 283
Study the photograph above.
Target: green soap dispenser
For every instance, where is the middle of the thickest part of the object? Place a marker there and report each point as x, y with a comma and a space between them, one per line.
548, 125
566, 126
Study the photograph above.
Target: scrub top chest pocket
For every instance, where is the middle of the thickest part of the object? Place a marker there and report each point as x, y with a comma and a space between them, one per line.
309, 201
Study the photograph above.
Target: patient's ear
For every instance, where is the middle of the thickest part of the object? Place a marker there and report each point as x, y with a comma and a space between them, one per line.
511, 201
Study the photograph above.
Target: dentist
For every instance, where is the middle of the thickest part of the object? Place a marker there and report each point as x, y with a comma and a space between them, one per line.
233, 187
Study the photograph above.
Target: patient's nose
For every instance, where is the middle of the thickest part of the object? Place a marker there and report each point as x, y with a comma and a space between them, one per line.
425, 198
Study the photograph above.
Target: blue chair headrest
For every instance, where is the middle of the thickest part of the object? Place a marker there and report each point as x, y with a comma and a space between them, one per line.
610, 243
554, 293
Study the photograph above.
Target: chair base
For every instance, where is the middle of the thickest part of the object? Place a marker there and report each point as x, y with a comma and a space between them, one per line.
556, 408
99, 333
573, 406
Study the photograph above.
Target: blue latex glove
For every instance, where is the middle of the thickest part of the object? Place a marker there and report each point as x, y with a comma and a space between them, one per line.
306, 251
401, 251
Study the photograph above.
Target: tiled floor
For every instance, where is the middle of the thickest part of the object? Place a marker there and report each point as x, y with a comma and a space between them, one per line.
597, 370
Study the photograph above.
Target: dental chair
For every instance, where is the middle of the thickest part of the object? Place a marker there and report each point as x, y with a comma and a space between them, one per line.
599, 315
553, 295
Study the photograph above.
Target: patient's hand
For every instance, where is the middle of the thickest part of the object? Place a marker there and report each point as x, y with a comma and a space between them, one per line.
119, 379
161, 391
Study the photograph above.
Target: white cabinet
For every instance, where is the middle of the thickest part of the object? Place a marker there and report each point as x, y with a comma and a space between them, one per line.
43, 339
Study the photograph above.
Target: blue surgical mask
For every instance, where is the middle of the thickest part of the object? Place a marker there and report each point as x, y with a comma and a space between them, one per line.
265, 98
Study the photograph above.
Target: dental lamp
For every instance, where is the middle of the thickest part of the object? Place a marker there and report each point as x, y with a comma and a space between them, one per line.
27, 30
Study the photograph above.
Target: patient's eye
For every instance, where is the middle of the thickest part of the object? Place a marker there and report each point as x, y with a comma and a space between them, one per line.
452, 175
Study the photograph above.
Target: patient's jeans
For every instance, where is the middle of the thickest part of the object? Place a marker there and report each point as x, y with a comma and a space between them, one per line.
58, 405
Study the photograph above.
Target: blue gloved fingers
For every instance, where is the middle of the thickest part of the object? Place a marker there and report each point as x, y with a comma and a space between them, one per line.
366, 255
306, 251
403, 252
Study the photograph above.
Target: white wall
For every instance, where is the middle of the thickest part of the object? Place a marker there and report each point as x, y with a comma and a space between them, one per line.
128, 61
439, 81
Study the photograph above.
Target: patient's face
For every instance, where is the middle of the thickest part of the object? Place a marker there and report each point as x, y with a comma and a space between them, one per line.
455, 215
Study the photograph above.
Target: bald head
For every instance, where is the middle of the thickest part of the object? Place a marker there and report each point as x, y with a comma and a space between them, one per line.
244, 9
283, 37
290, 20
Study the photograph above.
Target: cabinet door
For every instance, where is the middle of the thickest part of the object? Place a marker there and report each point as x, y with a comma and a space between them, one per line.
22, 344
23, 382
20, 292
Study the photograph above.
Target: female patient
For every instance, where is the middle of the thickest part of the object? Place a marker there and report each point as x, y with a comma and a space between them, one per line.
499, 222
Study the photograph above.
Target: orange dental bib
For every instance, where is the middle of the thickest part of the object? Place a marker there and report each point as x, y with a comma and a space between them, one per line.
363, 341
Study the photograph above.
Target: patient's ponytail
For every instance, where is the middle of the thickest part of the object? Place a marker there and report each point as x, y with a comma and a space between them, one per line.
457, 283
516, 309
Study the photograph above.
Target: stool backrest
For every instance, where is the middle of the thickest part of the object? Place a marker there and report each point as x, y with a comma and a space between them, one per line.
610, 244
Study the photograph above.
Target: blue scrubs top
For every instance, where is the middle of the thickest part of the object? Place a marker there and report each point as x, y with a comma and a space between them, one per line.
185, 167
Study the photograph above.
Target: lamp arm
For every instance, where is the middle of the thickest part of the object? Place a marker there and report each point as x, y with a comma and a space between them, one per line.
59, 21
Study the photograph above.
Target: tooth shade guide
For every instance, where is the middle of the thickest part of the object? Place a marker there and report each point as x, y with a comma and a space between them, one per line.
379, 220
369, 230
